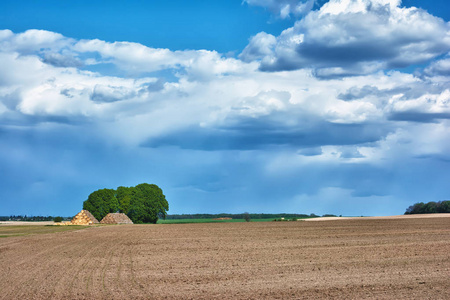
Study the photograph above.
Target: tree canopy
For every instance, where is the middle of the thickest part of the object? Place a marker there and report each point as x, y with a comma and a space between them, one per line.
144, 203
429, 208
147, 204
101, 202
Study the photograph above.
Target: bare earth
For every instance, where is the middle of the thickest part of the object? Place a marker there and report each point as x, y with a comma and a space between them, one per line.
419, 216
403, 258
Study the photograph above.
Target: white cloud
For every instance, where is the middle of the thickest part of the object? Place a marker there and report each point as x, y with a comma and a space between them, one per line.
356, 6
411, 142
136, 58
439, 68
32, 40
348, 37
425, 104
311, 133
214, 97
260, 46
132, 57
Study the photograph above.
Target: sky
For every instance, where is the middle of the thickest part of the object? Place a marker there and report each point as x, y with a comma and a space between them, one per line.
263, 106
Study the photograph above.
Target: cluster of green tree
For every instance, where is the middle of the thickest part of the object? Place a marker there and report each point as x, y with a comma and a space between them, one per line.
25, 218
58, 219
429, 208
144, 203
239, 216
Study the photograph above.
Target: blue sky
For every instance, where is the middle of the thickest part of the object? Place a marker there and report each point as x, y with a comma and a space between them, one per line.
337, 106
223, 26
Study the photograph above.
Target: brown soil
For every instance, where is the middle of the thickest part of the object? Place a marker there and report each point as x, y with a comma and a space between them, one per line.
345, 259
418, 216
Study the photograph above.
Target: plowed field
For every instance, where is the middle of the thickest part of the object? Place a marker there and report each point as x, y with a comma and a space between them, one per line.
342, 259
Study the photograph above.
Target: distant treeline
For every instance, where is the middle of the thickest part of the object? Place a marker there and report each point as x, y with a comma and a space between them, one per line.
28, 218
239, 216
429, 208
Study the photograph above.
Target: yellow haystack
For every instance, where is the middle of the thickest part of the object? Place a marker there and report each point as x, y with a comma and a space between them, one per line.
84, 217
116, 218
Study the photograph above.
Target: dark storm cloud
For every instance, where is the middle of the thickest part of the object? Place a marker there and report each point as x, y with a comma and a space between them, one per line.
109, 93
417, 116
20, 120
60, 60
156, 86
351, 153
410, 91
314, 151
348, 54
355, 93
250, 134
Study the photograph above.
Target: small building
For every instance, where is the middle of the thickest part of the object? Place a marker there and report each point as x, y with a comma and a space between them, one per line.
116, 218
84, 217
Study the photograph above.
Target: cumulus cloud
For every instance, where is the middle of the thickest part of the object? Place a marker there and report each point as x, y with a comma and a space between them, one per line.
439, 68
227, 103
133, 57
221, 120
32, 40
259, 47
136, 58
355, 37
426, 108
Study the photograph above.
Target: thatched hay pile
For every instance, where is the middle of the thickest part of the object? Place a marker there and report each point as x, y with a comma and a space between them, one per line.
63, 223
116, 218
84, 217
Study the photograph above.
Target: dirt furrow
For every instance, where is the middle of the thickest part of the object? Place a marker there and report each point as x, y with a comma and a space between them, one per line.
345, 259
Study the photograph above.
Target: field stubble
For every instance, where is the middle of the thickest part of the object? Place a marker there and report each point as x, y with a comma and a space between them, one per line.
389, 259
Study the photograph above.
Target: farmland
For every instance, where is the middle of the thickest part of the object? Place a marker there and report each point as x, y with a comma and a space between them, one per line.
22, 230
186, 221
349, 258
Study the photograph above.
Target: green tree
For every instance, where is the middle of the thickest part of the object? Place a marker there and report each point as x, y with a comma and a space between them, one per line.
102, 202
417, 208
429, 208
123, 195
147, 204
444, 207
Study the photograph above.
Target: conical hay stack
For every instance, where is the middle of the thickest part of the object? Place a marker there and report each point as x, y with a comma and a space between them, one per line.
84, 217
117, 218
